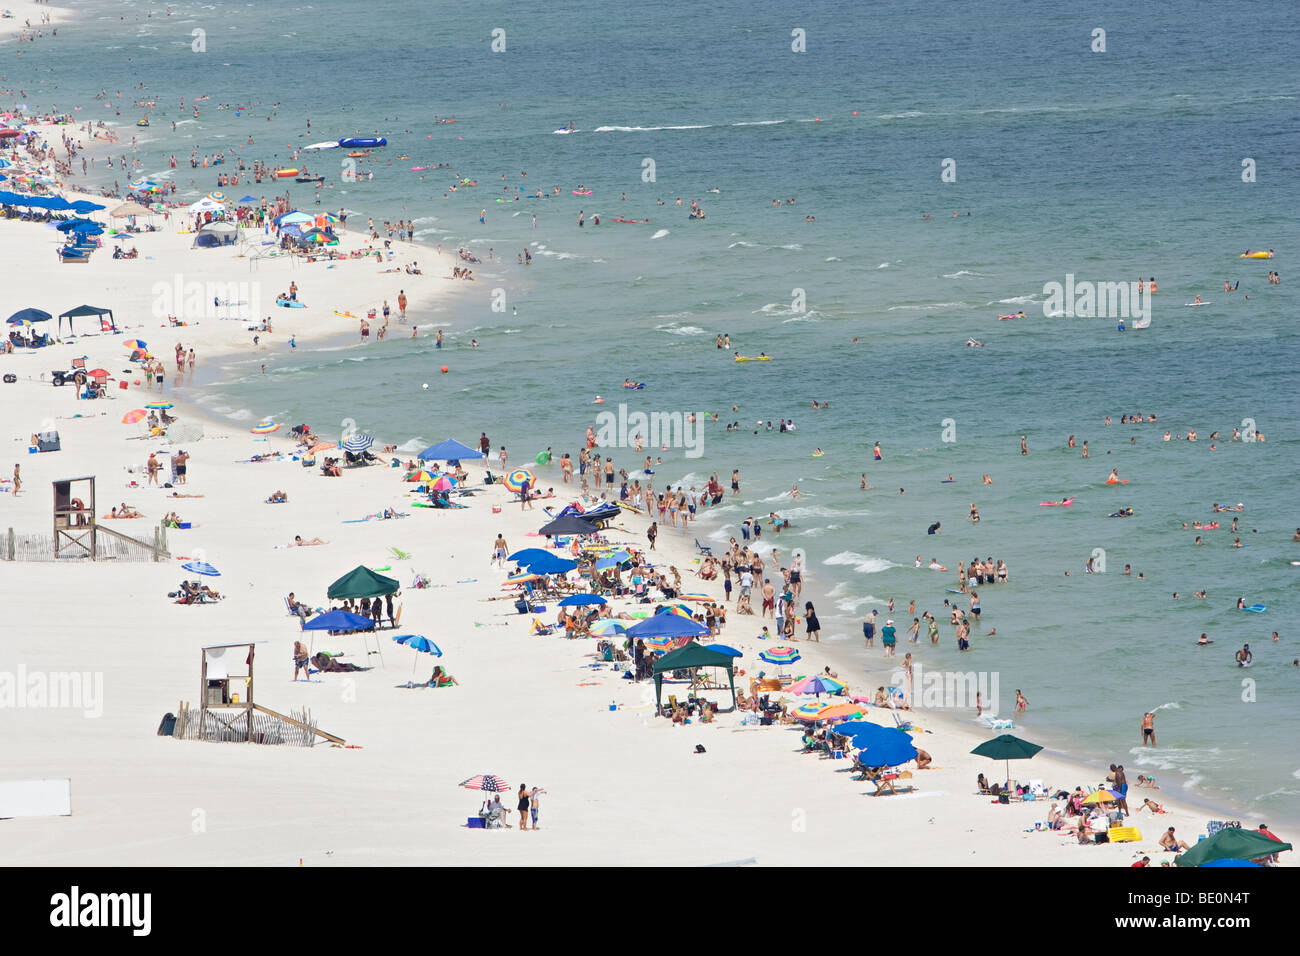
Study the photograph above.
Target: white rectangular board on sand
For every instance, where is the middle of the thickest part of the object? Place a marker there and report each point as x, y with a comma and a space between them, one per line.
36, 798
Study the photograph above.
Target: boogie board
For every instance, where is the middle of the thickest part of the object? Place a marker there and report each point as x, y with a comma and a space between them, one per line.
1255, 608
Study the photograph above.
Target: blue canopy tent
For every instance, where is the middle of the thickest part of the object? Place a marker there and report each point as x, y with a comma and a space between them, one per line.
449, 450
339, 621
667, 625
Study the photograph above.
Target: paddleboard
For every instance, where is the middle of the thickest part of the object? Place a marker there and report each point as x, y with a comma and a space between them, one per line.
753, 358
1192, 305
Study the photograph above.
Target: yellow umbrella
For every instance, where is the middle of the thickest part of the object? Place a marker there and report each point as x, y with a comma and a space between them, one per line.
1098, 796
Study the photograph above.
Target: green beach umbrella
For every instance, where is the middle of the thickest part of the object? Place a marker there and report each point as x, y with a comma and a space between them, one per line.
1007, 747
1231, 843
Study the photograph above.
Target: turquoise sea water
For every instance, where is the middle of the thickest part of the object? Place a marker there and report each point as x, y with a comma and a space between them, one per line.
1107, 166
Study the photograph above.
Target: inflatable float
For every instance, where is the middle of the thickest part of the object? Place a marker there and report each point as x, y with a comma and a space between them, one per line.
309, 179
753, 358
621, 219
364, 142
358, 155
635, 386
1012, 315
585, 192
290, 304
286, 173
1255, 608
1244, 255
1117, 481
1057, 504
345, 315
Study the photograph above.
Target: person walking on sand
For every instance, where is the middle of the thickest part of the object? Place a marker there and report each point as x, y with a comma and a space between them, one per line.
651, 533
152, 467
523, 806
814, 627
1148, 729
18, 481
401, 305
500, 549
300, 658
534, 807
525, 495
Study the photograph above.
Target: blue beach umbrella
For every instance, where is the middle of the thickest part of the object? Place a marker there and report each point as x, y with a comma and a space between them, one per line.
201, 567
419, 643
549, 564
1228, 862
667, 625
249, 199
582, 600
726, 649
888, 753
527, 554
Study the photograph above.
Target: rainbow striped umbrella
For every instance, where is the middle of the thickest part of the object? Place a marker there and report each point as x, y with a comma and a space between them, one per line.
782, 654
522, 577
515, 480
817, 684
841, 711
660, 643
217, 196
159, 406
809, 711
444, 483
420, 476
132, 344
681, 610
265, 427
607, 627
694, 597
136, 415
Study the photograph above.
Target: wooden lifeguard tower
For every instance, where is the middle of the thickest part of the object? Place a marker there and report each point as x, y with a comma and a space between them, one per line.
226, 709
74, 516
76, 530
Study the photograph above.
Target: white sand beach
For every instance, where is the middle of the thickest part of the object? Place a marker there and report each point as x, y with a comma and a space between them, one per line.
531, 709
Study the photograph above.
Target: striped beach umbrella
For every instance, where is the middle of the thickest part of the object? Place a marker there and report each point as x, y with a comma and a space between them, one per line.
444, 483
842, 711
782, 654
696, 596
418, 475
608, 627
515, 480
133, 416
265, 427
158, 406
201, 567
660, 643
681, 610
486, 781
321, 446
132, 344
217, 196
523, 577
816, 684
356, 443
809, 711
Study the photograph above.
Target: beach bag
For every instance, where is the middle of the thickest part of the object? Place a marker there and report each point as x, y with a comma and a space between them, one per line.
521, 606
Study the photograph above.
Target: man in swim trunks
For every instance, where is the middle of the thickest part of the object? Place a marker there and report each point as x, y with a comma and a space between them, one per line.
869, 628
769, 598
534, 808
1148, 729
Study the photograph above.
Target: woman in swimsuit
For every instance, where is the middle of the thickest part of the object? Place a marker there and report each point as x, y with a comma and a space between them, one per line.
523, 807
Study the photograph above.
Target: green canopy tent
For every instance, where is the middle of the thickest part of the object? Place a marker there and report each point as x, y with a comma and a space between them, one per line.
1231, 843
692, 655
361, 582
85, 311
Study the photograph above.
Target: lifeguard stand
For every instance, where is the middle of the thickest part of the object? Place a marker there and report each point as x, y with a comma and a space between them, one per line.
223, 663
74, 516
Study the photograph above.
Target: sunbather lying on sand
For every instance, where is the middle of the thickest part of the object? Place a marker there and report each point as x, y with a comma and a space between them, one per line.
323, 662
124, 511
300, 542
1149, 804
176, 494
277, 498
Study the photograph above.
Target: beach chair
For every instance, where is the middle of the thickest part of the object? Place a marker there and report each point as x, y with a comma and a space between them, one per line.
887, 785
703, 548
997, 723
494, 820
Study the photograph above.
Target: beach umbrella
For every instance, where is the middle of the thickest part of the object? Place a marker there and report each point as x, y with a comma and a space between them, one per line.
1007, 747
1101, 796
667, 625
133, 344
661, 644
449, 450
694, 596
527, 554
356, 443
31, 315
515, 480
888, 751
201, 567
523, 577
420, 643
102, 373
361, 582
877, 736
217, 196
859, 728
681, 610
549, 564
23, 322
486, 781
608, 627
133, 416
444, 483
726, 649
782, 654
809, 711
321, 446
294, 218
568, 524
420, 475
249, 199
841, 711
1225, 861
1231, 843
816, 684
157, 406
582, 600
339, 621
265, 428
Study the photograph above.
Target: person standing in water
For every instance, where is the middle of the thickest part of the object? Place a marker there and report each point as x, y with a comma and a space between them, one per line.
1148, 729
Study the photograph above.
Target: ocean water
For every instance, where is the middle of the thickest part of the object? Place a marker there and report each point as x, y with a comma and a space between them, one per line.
1105, 166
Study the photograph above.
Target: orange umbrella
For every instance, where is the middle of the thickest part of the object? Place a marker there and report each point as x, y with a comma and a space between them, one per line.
321, 446
836, 711
136, 415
